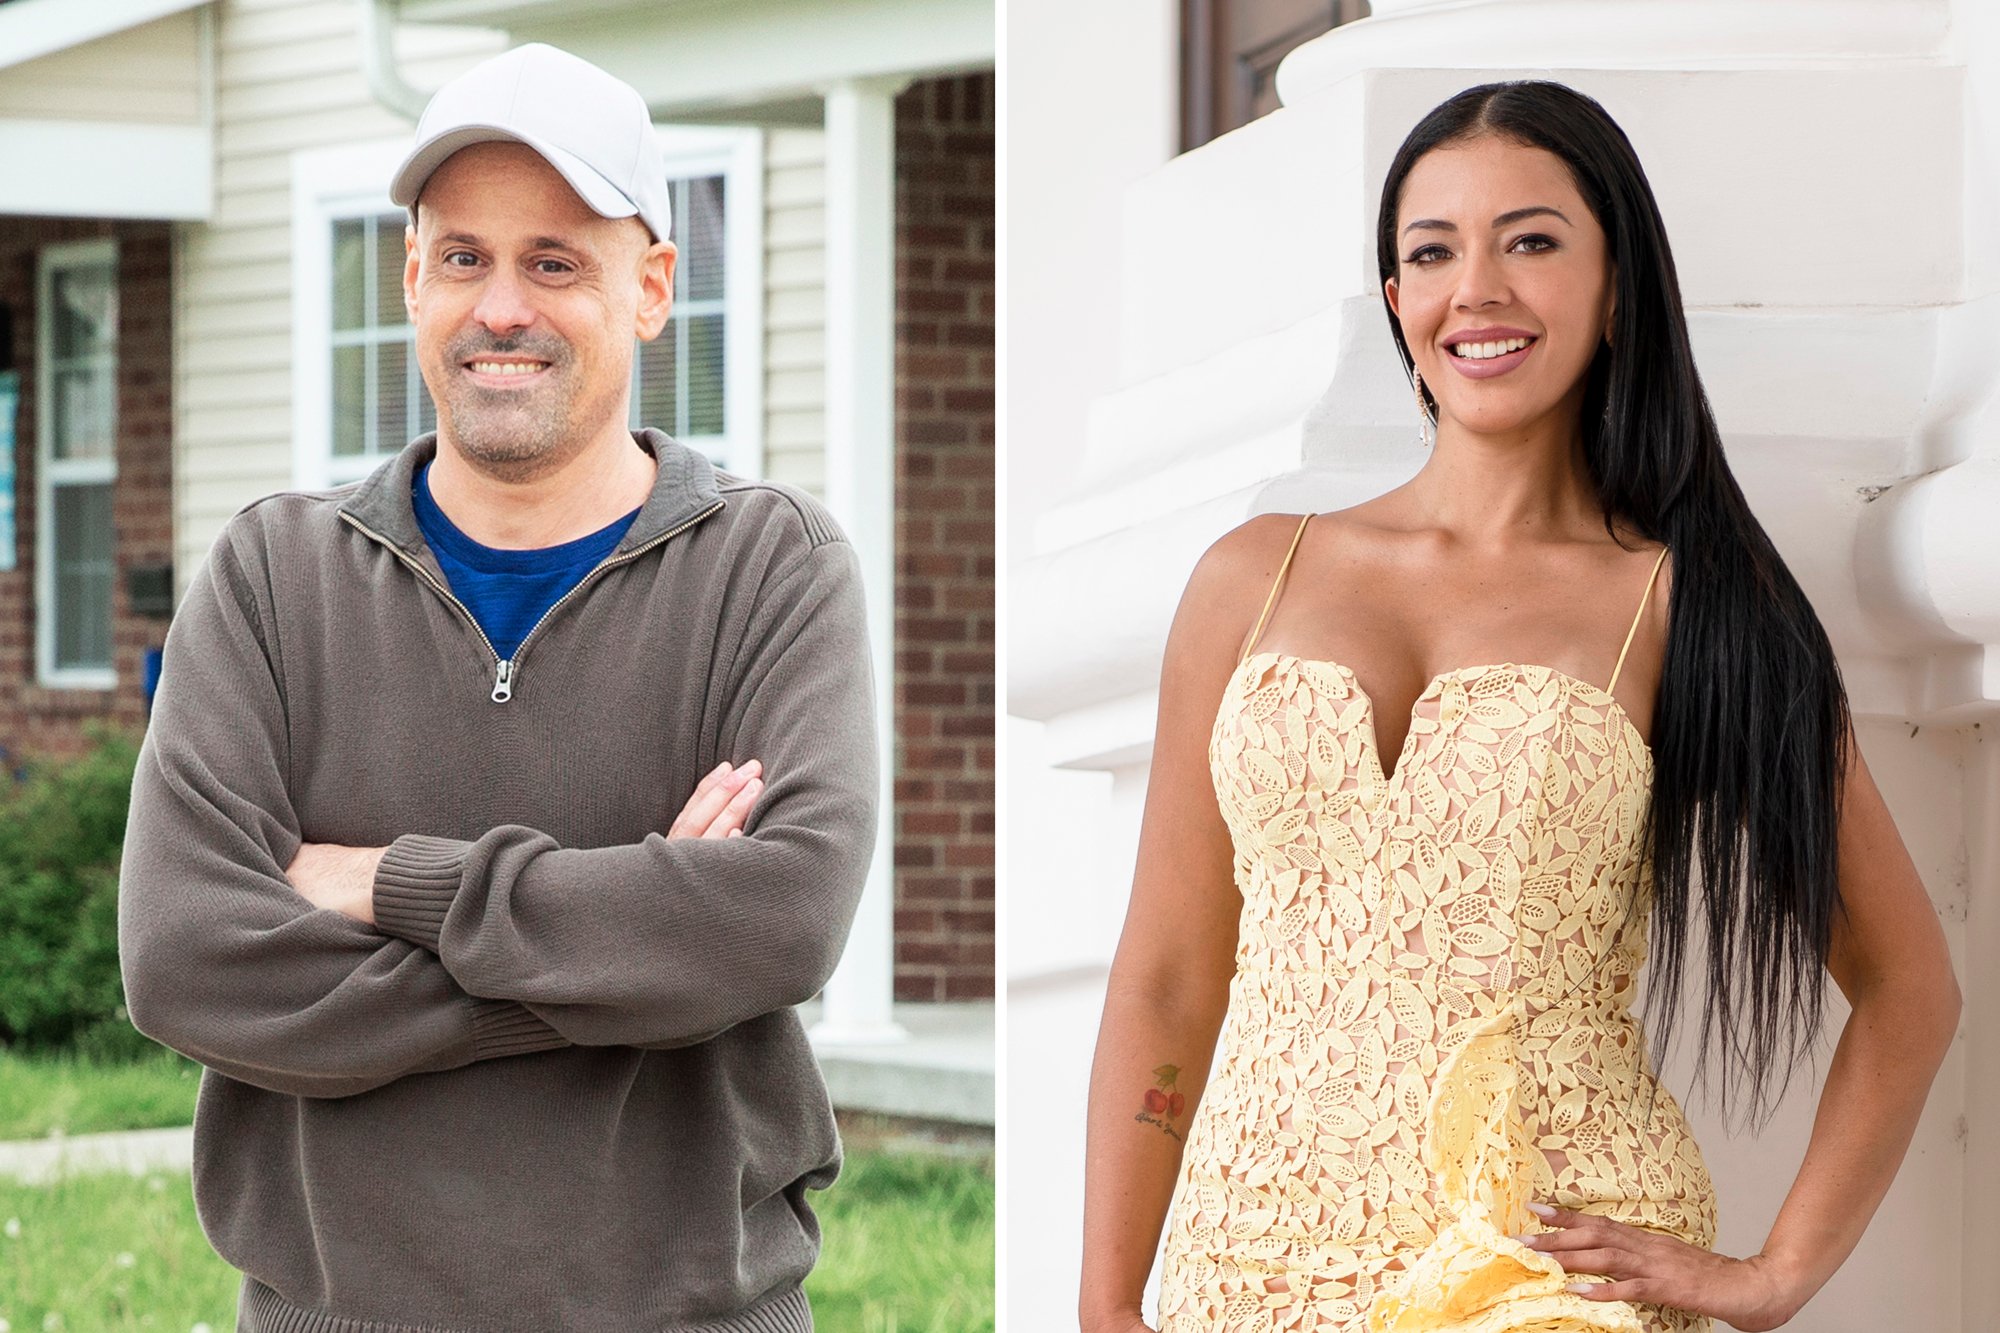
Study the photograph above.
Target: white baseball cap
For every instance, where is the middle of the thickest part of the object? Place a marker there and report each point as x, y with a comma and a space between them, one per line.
592, 127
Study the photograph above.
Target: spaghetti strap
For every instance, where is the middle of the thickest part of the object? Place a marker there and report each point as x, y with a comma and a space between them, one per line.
1272, 599
1635, 620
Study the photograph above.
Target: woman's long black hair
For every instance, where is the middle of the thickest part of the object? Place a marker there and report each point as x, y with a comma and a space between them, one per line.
1751, 726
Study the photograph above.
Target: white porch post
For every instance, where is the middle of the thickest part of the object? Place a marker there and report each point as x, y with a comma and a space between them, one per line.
861, 490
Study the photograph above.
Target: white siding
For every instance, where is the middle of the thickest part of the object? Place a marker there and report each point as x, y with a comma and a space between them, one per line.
795, 307
288, 76
151, 73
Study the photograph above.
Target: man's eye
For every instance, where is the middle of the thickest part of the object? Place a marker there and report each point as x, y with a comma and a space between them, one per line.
552, 267
451, 256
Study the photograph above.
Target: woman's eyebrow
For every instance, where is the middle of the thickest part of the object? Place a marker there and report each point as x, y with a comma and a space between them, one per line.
1511, 216
1533, 210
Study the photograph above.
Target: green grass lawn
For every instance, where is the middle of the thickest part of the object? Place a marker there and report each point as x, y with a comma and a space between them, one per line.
908, 1239
109, 1252
40, 1093
908, 1249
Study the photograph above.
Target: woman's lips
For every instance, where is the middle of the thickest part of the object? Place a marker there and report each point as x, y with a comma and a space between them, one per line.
1490, 366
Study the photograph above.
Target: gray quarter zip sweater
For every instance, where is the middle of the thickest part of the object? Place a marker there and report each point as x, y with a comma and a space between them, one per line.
560, 1083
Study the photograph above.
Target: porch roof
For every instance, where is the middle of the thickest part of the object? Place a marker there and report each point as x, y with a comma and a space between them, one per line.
759, 59
76, 140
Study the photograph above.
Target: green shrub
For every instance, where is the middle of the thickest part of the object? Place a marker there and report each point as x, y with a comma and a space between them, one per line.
62, 827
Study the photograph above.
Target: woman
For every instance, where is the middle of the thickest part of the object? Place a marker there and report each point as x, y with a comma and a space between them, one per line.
1434, 1109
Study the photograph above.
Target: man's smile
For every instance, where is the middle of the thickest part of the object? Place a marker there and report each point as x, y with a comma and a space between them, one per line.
507, 371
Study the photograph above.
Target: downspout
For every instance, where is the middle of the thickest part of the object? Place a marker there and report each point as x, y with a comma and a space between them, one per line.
378, 61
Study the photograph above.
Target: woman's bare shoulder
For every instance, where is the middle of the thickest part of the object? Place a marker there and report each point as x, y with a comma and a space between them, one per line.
1246, 558
1227, 589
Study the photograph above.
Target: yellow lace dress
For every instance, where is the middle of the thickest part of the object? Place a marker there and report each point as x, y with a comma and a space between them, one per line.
1430, 1022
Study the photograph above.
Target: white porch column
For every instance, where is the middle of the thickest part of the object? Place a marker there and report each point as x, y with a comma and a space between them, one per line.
861, 490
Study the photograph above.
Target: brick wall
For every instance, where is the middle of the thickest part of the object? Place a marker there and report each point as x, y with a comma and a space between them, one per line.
944, 533
34, 719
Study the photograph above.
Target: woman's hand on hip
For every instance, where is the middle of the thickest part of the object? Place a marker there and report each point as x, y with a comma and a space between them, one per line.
1650, 1266
1124, 1323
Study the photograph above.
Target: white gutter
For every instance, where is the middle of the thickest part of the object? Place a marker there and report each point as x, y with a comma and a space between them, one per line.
378, 61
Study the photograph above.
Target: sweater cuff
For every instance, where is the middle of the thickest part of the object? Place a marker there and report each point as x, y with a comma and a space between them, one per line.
503, 1027
415, 884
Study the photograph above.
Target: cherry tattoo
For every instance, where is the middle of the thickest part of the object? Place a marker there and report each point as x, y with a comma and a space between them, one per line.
1162, 1102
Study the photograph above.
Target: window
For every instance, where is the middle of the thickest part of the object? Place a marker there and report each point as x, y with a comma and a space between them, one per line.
680, 379
76, 396
379, 400
359, 395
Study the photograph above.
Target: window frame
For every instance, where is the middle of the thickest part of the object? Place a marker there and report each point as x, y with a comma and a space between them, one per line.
736, 154
352, 180
51, 472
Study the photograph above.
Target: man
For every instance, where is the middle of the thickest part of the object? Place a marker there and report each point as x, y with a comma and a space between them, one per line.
437, 856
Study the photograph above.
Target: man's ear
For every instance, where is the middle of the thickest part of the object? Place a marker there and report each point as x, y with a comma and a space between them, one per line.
411, 263
656, 289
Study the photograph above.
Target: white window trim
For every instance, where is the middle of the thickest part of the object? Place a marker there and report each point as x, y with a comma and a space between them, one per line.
327, 184
736, 154
49, 469
353, 180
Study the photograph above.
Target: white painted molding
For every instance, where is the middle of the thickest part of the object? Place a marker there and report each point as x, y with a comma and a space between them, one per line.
1468, 35
30, 29
107, 169
1928, 559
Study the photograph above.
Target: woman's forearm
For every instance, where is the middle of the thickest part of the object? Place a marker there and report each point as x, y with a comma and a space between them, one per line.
1151, 1064
1888, 1054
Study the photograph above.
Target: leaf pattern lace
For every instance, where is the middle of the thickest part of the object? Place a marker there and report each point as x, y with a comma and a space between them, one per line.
1430, 1023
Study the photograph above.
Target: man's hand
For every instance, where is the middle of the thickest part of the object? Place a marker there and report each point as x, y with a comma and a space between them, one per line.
721, 803
341, 879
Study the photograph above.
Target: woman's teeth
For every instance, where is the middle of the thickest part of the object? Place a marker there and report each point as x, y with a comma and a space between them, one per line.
1481, 351
505, 367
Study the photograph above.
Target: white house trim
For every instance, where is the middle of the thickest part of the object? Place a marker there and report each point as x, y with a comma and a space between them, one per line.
51, 471
106, 169
737, 154
327, 183
707, 57
30, 29
860, 489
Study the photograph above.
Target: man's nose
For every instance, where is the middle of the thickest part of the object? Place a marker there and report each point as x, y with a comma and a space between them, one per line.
505, 303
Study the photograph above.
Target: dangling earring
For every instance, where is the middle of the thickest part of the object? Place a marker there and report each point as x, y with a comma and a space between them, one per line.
1424, 419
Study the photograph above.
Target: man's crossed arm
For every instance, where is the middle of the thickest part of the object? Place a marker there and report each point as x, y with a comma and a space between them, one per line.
228, 960
342, 879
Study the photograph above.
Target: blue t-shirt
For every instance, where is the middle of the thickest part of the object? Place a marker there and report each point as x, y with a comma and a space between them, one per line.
507, 591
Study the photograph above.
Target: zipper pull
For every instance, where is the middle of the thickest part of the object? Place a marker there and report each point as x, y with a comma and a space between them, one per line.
503, 681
